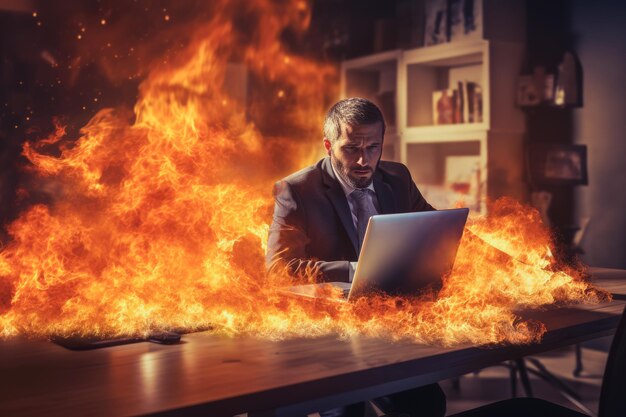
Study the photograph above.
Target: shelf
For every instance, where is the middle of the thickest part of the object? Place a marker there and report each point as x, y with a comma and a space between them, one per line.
445, 133
374, 77
450, 173
445, 67
448, 54
470, 161
372, 62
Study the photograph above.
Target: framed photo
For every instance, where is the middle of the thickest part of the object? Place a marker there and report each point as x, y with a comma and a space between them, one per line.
556, 164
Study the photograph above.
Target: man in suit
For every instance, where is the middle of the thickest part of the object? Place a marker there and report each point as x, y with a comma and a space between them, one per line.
321, 213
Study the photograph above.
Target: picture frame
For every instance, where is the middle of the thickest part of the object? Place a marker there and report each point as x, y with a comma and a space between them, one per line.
558, 164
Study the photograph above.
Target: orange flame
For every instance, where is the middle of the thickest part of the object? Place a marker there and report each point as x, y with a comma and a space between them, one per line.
160, 222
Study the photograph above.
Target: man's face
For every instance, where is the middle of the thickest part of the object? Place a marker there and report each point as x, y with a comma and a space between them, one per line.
355, 154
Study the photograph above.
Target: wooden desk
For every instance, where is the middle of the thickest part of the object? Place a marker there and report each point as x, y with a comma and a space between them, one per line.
214, 376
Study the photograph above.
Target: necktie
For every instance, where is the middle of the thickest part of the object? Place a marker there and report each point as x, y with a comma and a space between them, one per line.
364, 210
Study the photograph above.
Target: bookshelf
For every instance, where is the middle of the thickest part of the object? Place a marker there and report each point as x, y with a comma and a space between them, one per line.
462, 162
376, 77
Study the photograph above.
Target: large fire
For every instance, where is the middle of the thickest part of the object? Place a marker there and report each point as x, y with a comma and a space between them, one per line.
160, 219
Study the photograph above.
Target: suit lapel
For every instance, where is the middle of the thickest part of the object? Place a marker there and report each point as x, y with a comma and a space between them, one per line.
385, 196
340, 203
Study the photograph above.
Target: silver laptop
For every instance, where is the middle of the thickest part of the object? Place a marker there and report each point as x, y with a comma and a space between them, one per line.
402, 254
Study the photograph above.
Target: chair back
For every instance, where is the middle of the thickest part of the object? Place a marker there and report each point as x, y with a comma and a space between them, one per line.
613, 394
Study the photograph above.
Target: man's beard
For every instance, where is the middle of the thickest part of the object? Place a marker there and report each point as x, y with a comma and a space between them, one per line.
344, 172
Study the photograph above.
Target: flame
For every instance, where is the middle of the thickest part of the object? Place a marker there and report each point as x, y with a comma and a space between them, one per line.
160, 217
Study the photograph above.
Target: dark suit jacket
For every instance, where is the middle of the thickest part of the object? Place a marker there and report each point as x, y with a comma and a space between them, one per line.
312, 228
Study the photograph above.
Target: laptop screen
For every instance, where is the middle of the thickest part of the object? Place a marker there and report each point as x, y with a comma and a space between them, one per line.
408, 253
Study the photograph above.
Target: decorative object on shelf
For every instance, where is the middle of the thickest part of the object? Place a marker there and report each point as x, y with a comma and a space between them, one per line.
548, 86
535, 88
528, 93
557, 164
464, 19
444, 106
568, 92
539, 87
452, 20
436, 31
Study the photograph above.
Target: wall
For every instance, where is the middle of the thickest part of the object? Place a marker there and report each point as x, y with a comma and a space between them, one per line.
599, 30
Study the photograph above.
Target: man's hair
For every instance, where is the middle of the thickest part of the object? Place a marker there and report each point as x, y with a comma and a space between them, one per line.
351, 111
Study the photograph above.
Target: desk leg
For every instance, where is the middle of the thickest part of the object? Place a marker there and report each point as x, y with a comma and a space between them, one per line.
566, 391
513, 378
579, 361
523, 373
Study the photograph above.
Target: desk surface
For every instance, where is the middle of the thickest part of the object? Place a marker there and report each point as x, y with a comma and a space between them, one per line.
212, 375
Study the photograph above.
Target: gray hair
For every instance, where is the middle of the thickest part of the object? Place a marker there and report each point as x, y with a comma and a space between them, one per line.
351, 111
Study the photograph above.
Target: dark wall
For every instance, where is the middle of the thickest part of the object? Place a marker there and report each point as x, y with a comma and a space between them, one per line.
599, 29
595, 32
549, 36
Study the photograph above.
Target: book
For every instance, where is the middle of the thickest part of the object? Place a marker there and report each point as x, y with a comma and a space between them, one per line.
473, 92
461, 105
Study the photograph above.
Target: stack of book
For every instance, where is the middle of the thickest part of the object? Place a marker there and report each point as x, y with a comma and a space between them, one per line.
461, 105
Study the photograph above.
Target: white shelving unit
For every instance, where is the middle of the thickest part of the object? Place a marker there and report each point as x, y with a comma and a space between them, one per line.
376, 77
490, 151
425, 70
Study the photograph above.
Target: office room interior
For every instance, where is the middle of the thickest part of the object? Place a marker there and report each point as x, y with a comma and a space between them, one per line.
139, 144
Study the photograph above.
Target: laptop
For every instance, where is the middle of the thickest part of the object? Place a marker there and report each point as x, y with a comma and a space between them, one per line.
402, 254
